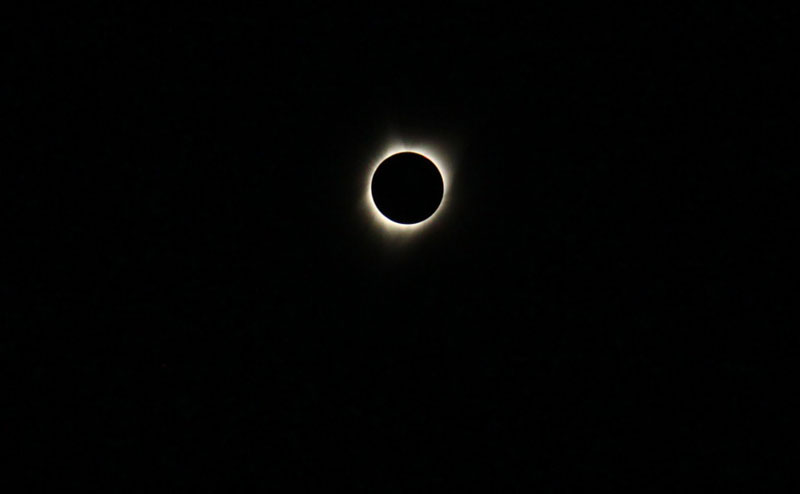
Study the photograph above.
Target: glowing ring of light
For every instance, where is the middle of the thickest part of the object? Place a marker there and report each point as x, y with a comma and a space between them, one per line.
389, 226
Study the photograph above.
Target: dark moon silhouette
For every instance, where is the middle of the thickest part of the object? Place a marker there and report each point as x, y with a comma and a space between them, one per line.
407, 188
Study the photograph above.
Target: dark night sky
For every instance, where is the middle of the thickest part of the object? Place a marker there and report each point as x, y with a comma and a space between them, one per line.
196, 298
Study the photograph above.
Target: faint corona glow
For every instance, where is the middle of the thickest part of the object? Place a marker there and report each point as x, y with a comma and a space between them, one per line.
385, 224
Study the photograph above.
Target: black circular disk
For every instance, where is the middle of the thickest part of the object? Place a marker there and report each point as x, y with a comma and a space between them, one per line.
407, 188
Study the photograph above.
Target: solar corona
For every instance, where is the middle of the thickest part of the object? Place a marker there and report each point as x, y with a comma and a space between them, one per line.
407, 189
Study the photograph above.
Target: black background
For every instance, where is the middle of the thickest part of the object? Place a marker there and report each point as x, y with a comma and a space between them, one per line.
196, 299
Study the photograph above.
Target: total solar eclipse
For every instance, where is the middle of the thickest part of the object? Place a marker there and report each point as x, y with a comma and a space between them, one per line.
407, 188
